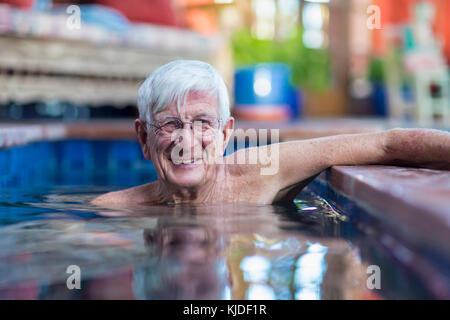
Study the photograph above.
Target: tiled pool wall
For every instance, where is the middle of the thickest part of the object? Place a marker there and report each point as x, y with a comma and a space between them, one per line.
75, 162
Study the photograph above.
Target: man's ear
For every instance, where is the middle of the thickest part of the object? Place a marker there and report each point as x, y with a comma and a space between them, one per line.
141, 132
227, 131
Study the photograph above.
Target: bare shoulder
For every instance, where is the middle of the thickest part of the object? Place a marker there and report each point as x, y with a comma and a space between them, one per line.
243, 166
247, 179
135, 195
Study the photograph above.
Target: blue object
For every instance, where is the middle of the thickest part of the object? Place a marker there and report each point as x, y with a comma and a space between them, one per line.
265, 86
106, 17
379, 100
42, 5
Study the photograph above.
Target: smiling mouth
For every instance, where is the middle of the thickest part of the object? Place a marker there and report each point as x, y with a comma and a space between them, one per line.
185, 161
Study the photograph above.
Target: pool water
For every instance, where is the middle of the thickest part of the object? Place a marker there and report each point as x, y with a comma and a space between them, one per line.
302, 250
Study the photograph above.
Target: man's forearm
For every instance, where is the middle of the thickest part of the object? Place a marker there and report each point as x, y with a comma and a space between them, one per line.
300, 160
357, 149
416, 147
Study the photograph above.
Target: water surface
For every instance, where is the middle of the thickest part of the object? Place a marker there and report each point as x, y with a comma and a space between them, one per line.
303, 250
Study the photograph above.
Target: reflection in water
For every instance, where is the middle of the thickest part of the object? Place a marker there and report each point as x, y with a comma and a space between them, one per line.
297, 251
188, 264
310, 269
255, 268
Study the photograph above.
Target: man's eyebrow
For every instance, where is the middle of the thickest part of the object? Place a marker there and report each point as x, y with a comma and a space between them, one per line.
201, 114
166, 117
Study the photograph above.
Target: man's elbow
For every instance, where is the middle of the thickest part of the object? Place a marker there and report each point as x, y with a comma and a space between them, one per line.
419, 147
410, 140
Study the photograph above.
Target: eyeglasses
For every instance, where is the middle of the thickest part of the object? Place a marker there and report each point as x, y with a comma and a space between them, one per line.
203, 125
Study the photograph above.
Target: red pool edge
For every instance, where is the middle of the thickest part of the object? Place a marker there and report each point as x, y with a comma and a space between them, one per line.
406, 210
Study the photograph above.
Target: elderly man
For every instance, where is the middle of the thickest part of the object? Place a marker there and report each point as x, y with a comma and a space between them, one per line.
184, 126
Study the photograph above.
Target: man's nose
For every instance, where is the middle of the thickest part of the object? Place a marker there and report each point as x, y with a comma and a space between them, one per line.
186, 136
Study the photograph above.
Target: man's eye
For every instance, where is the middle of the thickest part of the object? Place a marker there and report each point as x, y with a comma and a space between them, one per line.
172, 123
204, 122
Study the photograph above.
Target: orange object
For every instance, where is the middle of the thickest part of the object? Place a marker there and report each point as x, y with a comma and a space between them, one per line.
399, 11
266, 113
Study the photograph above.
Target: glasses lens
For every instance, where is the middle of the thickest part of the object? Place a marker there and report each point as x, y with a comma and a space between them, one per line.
206, 125
170, 125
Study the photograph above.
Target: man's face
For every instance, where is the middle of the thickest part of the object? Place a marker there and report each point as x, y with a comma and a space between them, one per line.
186, 157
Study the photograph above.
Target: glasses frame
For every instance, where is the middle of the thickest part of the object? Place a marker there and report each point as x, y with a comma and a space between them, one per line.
157, 128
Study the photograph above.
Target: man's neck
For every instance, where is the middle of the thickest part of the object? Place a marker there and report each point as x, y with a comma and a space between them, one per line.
177, 194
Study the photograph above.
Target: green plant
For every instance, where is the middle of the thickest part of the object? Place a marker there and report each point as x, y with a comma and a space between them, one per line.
310, 67
377, 70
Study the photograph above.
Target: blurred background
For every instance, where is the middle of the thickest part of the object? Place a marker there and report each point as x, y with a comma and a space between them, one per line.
282, 60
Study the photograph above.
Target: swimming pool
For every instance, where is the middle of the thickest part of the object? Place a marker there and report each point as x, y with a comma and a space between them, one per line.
303, 250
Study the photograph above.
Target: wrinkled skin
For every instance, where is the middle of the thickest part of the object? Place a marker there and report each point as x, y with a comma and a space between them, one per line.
299, 161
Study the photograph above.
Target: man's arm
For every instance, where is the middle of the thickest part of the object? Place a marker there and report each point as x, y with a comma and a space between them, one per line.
299, 161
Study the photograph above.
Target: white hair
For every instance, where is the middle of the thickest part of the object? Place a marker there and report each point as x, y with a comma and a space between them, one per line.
173, 81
